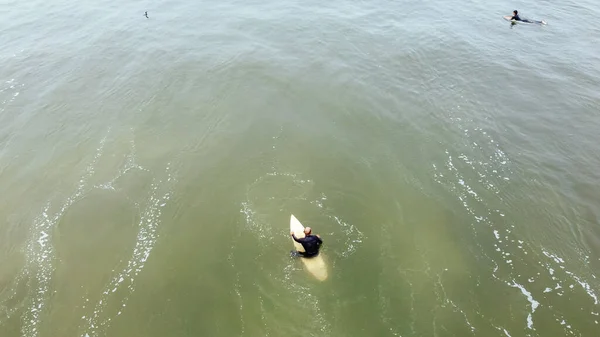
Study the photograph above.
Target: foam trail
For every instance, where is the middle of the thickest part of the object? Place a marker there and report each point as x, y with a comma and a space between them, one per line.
241, 300
130, 164
40, 252
146, 239
308, 299
263, 230
354, 237
587, 289
534, 303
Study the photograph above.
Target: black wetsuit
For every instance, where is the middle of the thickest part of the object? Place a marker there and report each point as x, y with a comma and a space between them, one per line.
517, 18
311, 244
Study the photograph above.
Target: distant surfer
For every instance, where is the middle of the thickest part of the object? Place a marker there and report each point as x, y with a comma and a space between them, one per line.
146, 15
311, 243
516, 17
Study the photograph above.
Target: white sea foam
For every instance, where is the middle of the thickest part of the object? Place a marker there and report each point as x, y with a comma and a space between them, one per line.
148, 233
532, 301
40, 252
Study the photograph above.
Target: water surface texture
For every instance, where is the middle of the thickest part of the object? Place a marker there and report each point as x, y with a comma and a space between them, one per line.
149, 167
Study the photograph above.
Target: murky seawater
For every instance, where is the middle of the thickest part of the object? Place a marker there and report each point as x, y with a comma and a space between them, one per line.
149, 168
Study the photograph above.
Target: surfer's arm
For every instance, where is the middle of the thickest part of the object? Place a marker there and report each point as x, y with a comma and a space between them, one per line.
295, 238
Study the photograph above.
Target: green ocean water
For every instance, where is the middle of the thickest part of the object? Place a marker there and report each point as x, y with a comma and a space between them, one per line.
149, 167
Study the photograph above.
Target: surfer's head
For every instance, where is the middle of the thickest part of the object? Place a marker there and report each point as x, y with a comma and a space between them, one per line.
515, 12
307, 231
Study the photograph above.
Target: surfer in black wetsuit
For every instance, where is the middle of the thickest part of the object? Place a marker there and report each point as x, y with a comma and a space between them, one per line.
516, 17
311, 243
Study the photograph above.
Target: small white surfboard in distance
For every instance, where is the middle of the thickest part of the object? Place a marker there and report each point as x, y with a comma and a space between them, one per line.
315, 265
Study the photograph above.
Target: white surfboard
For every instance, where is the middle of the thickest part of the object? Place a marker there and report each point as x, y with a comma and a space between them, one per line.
315, 265
508, 18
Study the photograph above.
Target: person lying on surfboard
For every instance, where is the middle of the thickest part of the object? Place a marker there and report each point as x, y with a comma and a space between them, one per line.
516, 17
311, 243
